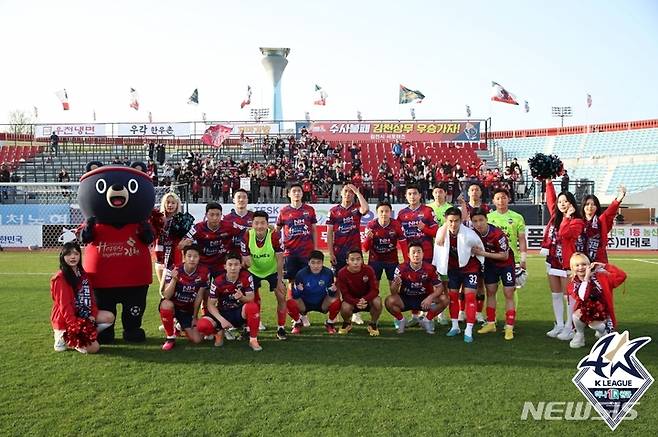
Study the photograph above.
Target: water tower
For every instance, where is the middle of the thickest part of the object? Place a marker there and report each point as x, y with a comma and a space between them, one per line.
275, 61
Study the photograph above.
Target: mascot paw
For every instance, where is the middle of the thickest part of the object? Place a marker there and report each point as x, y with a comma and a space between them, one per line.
87, 233
145, 233
106, 336
135, 336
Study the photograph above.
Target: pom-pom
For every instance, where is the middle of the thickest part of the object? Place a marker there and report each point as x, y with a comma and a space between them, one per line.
181, 222
157, 220
82, 333
545, 166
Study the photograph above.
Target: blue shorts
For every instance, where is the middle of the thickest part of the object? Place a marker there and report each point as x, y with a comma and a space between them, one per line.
457, 278
411, 303
313, 306
505, 274
234, 316
292, 265
383, 267
271, 279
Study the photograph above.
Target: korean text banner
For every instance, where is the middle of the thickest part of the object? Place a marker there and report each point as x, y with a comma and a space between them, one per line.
70, 130
465, 130
154, 129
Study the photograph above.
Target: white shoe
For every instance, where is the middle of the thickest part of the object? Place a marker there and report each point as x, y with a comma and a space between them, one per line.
413, 321
356, 318
443, 320
401, 325
599, 334
557, 329
566, 334
577, 341
480, 318
60, 344
305, 321
230, 334
427, 325
262, 327
209, 337
461, 316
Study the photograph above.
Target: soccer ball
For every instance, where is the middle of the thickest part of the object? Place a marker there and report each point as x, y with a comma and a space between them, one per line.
521, 276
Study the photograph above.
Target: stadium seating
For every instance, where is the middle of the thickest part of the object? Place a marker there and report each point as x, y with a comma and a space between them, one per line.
636, 177
14, 155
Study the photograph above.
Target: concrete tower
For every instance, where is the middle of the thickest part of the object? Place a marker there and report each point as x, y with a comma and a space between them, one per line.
274, 61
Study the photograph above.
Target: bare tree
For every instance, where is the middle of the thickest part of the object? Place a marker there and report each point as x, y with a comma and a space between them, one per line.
20, 122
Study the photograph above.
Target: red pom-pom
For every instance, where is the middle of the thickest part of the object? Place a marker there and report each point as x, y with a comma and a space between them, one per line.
82, 333
157, 220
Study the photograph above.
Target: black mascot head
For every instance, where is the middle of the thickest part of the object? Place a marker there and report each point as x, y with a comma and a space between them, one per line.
116, 195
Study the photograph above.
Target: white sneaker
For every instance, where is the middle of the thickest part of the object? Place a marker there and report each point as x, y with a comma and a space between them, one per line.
462, 316
413, 321
230, 334
443, 320
577, 341
262, 327
566, 334
401, 325
60, 344
305, 321
480, 318
209, 337
557, 329
427, 325
598, 334
356, 318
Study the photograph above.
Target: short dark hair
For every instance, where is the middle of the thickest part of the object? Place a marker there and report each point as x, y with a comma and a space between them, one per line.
442, 186
414, 244
296, 184
262, 214
412, 187
213, 205
355, 250
478, 211
384, 203
316, 254
233, 255
240, 190
192, 246
453, 211
500, 190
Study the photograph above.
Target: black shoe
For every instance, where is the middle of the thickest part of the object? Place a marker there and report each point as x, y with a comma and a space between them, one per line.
106, 336
135, 336
281, 334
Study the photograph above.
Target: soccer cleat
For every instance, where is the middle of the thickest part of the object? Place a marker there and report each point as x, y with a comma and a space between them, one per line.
169, 344
345, 329
209, 337
281, 333
356, 318
331, 329
178, 328
453, 332
254, 345
427, 325
305, 321
509, 333
219, 339
401, 325
373, 330
553, 333
230, 334
262, 327
413, 321
396, 323
487, 328
479, 318
60, 343
566, 334
462, 316
468, 339
443, 320
578, 340
297, 328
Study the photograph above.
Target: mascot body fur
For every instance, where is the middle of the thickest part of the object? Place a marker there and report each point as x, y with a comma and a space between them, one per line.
117, 202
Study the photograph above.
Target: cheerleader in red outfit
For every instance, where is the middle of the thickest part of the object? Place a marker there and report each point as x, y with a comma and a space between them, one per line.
591, 286
166, 252
560, 237
593, 242
73, 298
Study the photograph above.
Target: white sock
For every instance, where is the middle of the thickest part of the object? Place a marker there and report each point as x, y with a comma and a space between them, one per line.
469, 330
102, 326
570, 307
580, 326
282, 327
455, 323
558, 307
598, 327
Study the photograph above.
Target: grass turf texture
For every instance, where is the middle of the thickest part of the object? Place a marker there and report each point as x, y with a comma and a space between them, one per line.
314, 384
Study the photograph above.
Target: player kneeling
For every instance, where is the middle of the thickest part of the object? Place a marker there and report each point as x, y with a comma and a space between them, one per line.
232, 304
416, 287
185, 287
360, 292
498, 266
314, 291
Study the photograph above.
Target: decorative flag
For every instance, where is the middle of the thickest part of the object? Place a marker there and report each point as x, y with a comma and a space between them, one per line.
64, 98
246, 101
36, 112
526, 106
94, 115
500, 94
412, 111
359, 116
589, 100
215, 135
150, 117
194, 98
468, 111
203, 117
134, 99
409, 96
320, 96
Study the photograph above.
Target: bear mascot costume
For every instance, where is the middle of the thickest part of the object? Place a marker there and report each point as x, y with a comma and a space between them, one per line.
117, 202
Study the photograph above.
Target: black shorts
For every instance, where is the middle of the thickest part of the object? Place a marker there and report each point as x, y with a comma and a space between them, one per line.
383, 267
494, 274
313, 306
457, 278
184, 318
292, 265
411, 303
234, 316
271, 279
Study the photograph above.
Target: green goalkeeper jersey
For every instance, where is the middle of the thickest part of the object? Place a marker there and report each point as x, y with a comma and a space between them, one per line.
513, 224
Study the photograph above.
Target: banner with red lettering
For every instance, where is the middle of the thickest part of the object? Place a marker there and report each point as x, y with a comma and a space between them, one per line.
459, 130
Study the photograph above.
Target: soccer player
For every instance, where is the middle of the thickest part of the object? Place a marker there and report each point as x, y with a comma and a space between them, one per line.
416, 286
510, 222
383, 235
298, 223
240, 216
314, 291
231, 304
453, 257
498, 266
440, 205
560, 237
592, 287
475, 200
266, 264
359, 291
186, 285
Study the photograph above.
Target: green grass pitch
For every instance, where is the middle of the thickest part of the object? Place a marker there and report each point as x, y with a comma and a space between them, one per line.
314, 384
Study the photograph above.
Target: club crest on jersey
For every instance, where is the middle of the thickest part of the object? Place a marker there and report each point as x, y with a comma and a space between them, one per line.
612, 378
321, 283
365, 278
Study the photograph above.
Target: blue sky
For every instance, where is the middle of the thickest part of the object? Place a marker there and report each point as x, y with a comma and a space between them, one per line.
546, 52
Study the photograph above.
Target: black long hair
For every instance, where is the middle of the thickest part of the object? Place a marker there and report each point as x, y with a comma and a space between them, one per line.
558, 215
69, 274
596, 201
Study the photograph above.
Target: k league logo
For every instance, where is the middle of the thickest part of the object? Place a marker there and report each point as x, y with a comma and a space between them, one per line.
612, 378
